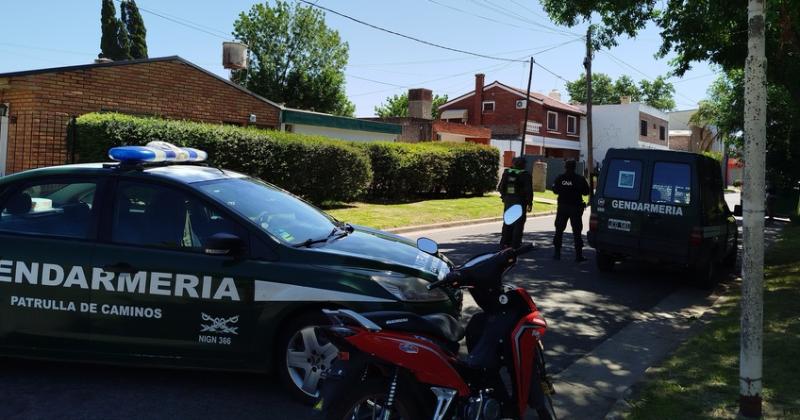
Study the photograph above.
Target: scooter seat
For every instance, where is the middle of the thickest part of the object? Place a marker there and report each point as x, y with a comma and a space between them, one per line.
442, 326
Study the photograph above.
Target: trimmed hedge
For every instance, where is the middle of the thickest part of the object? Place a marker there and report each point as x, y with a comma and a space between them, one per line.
316, 168
409, 169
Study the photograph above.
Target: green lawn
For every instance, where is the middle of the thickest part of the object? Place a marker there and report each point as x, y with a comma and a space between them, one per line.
701, 379
384, 216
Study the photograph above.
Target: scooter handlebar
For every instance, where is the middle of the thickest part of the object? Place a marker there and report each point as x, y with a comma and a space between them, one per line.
453, 276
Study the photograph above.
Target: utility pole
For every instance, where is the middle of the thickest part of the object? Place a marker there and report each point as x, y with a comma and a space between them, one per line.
527, 108
587, 64
755, 139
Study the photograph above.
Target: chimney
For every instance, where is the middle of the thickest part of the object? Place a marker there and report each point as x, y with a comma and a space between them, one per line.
419, 103
555, 94
624, 100
477, 105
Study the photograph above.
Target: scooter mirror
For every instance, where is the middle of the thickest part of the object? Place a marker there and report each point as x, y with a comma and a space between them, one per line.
428, 246
512, 214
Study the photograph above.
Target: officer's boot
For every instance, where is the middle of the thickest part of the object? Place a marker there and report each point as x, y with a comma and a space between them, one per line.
579, 255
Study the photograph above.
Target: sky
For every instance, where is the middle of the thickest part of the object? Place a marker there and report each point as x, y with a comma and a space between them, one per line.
51, 33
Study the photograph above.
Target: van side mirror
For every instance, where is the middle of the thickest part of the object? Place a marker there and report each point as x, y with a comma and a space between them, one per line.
224, 244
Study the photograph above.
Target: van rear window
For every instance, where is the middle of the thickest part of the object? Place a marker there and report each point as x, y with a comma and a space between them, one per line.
623, 179
671, 183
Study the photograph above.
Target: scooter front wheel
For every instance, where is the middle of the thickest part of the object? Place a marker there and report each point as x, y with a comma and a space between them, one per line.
368, 401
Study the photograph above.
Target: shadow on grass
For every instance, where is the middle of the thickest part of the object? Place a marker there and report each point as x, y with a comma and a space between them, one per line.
701, 379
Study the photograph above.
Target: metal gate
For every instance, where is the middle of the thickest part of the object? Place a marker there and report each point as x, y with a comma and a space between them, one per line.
36, 139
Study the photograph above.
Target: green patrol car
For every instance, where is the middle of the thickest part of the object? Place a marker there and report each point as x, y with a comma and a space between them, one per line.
161, 262
663, 206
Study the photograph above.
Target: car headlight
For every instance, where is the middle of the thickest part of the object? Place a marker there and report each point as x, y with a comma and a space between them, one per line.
409, 289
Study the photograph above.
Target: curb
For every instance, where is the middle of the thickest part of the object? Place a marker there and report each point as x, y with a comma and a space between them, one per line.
457, 223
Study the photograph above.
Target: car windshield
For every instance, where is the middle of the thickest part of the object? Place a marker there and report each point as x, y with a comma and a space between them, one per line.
283, 216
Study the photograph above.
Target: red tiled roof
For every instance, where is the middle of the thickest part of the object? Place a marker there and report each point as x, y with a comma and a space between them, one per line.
548, 101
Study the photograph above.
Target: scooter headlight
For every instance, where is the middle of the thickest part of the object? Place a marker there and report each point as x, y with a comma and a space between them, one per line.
409, 289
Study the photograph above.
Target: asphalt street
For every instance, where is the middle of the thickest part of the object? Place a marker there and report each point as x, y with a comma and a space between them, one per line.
583, 308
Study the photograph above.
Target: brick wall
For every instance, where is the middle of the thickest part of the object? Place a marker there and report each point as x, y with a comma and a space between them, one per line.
653, 124
41, 103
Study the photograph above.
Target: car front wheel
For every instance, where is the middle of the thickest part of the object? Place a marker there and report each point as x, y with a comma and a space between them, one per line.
303, 355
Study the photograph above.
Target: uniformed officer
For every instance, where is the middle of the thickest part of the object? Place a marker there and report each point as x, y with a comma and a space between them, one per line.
570, 188
516, 187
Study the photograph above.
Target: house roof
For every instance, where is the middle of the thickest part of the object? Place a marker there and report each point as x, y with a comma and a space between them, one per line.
133, 63
537, 97
299, 116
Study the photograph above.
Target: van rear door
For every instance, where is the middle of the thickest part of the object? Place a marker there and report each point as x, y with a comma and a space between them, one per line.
619, 223
668, 214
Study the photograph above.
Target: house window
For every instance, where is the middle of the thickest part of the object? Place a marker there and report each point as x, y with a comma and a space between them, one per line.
572, 124
662, 133
552, 121
488, 106
643, 128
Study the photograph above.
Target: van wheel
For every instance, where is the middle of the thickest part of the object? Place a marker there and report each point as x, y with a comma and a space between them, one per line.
605, 262
303, 355
705, 274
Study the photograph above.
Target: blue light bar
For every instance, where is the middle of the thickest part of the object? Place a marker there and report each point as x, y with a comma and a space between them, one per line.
156, 151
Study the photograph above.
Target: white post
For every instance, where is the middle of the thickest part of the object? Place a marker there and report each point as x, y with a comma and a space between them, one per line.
755, 139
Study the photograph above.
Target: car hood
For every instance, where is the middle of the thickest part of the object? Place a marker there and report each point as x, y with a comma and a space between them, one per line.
389, 249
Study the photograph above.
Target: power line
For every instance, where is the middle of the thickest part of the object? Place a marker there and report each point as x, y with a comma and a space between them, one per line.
422, 41
460, 58
486, 18
497, 9
187, 24
373, 81
646, 76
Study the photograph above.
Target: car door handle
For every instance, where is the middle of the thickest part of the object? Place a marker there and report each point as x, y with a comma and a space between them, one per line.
120, 267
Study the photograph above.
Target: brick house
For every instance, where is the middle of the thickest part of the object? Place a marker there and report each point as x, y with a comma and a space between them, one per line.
629, 124
36, 106
687, 136
553, 129
419, 125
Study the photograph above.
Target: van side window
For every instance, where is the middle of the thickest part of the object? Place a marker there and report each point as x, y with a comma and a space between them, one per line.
50, 210
672, 183
623, 179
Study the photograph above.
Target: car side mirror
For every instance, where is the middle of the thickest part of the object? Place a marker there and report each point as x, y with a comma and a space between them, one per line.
737, 210
428, 246
224, 244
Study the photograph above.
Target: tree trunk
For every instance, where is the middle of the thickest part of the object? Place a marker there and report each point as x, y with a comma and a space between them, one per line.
755, 137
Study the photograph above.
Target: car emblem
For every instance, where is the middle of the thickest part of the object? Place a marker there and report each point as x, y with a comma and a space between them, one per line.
503, 299
601, 201
409, 348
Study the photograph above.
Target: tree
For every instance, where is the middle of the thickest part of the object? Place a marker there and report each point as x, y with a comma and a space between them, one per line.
657, 93
295, 58
697, 30
114, 43
725, 109
397, 106
136, 30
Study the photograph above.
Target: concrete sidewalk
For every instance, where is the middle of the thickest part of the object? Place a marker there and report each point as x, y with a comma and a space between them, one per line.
590, 387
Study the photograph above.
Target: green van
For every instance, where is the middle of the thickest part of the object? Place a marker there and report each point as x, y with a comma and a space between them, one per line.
663, 206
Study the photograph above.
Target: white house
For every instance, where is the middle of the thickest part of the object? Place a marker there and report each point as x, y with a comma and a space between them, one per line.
627, 125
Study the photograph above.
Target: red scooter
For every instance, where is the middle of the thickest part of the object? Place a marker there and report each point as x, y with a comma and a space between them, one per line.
400, 365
